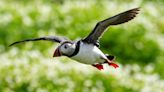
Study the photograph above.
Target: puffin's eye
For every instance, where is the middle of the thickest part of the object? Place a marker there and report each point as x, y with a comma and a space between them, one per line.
65, 46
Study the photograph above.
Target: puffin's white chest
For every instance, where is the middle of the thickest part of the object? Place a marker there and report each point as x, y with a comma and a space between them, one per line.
89, 54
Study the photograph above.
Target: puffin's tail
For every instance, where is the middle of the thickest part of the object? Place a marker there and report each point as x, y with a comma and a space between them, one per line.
110, 57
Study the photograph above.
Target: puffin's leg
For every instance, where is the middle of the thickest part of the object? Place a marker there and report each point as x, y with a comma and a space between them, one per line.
111, 64
98, 66
109, 61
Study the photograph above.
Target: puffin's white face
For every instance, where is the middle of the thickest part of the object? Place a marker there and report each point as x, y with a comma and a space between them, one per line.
67, 49
64, 49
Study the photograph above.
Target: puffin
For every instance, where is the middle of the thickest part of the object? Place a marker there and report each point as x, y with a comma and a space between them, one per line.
86, 50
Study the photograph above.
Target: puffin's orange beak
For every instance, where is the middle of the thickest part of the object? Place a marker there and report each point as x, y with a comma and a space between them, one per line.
57, 53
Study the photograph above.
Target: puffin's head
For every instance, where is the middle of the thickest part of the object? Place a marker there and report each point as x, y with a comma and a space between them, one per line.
65, 49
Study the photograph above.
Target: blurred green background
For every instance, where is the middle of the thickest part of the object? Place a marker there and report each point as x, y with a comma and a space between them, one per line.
138, 46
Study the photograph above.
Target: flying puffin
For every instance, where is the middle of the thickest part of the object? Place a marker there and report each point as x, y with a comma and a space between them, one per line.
87, 49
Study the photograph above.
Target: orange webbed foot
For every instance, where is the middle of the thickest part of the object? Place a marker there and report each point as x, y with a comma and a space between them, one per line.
113, 64
98, 66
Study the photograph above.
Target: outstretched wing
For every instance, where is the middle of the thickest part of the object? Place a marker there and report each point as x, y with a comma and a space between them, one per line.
115, 20
47, 38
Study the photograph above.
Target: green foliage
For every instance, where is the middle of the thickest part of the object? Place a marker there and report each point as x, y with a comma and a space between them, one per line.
130, 46
137, 45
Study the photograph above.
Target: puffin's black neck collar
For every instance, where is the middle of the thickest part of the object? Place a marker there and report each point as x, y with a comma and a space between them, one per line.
76, 49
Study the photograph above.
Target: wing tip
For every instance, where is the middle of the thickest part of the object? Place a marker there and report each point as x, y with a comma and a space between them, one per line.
133, 13
13, 44
135, 10
10, 45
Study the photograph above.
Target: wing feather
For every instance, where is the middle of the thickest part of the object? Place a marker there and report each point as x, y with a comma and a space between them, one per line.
100, 27
47, 38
